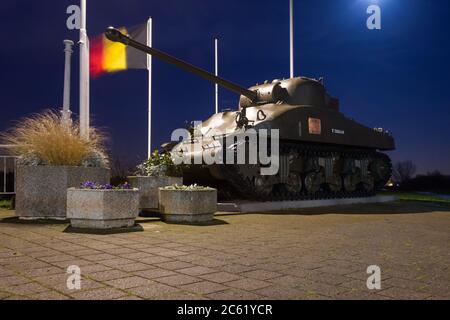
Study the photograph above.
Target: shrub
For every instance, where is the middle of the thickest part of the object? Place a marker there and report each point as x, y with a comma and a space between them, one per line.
192, 187
159, 164
43, 139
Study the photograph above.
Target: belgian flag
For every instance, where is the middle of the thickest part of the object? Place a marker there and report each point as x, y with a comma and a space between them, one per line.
107, 56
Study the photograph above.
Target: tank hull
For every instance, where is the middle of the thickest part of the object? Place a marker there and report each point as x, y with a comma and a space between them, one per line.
322, 154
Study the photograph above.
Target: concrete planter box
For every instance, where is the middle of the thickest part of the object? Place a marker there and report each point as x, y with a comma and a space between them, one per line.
41, 191
190, 206
102, 209
148, 189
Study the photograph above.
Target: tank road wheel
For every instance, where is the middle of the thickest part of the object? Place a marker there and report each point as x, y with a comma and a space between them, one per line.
335, 183
313, 181
294, 183
368, 183
263, 185
352, 180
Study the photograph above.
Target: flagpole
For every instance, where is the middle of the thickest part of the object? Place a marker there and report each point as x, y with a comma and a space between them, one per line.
66, 114
291, 36
216, 67
84, 74
149, 67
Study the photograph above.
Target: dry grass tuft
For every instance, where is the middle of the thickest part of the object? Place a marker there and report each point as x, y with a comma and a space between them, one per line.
46, 137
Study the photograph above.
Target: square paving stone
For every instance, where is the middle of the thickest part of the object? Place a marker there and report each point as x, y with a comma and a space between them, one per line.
197, 270
403, 294
99, 294
234, 294
136, 255
155, 260
129, 282
261, 274
92, 268
5, 272
174, 265
178, 280
76, 262
26, 289
108, 275
324, 289
86, 284
12, 280
154, 291
182, 295
220, 277
44, 253
280, 292
44, 271
129, 298
204, 287
137, 266
171, 253
235, 268
57, 258
50, 295
155, 273
99, 257
248, 284
116, 262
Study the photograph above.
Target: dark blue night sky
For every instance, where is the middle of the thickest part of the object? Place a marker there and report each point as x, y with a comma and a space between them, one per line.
397, 78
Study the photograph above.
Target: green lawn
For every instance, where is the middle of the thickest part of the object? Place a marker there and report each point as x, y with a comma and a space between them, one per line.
413, 196
5, 204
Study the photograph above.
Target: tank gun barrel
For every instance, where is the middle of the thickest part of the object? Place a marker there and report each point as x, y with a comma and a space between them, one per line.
116, 36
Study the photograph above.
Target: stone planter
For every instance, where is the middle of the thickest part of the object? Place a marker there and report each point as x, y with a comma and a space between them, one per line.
192, 206
41, 191
148, 189
102, 209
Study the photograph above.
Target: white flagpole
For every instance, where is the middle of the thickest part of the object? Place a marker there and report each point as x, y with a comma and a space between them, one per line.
88, 86
84, 75
216, 67
66, 114
291, 27
149, 67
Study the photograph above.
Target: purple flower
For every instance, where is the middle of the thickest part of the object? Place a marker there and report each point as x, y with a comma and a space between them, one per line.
88, 185
125, 186
96, 186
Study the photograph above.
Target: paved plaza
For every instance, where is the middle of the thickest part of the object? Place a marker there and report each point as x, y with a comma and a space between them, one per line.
320, 253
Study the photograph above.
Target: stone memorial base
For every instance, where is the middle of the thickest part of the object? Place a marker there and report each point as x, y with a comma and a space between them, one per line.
247, 206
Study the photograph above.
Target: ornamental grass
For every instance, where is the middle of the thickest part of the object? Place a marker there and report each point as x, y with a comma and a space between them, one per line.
45, 139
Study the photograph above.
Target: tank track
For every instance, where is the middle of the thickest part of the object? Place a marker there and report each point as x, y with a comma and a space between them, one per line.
243, 182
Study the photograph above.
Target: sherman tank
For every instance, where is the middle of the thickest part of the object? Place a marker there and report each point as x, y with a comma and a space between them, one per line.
320, 153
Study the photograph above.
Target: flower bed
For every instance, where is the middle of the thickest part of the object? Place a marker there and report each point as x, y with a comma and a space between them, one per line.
41, 191
95, 206
158, 171
191, 204
52, 157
